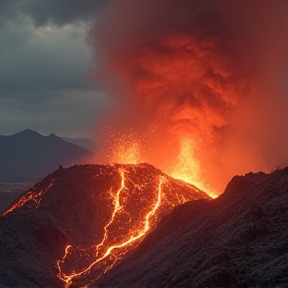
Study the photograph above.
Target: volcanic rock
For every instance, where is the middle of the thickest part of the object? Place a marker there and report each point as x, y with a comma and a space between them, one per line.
71, 209
239, 239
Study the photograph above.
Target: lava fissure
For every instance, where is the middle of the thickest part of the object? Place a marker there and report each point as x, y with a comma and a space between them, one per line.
29, 196
125, 245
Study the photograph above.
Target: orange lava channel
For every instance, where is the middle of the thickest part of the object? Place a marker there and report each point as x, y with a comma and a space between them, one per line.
131, 240
35, 198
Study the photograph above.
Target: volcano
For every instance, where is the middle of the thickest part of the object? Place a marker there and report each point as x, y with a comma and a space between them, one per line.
82, 220
134, 226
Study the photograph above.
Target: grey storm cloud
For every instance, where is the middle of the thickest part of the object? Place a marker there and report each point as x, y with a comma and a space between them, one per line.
43, 44
46, 64
43, 58
57, 12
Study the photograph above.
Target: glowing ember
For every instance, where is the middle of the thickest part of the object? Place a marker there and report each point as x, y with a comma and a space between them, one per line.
125, 148
128, 154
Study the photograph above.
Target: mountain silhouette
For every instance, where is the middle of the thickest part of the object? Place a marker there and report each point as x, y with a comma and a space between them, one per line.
30, 155
85, 143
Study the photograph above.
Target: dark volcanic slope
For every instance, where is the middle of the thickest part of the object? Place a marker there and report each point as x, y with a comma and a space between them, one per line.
237, 240
30, 155
72, 206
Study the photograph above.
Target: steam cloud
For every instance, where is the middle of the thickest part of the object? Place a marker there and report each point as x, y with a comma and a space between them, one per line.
202, 71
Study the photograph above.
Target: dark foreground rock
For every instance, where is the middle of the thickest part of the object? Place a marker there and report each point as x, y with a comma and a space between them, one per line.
237, 240
71, 207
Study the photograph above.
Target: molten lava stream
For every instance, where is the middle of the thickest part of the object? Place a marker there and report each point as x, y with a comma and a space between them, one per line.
107, 253
31, 197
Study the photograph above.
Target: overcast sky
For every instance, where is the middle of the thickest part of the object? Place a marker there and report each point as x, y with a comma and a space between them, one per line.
44, 67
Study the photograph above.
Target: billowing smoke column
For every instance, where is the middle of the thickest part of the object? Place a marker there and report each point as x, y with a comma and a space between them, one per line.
180, 84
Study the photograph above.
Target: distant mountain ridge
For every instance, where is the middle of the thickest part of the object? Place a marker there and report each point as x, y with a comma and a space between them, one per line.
85, 143
28, 154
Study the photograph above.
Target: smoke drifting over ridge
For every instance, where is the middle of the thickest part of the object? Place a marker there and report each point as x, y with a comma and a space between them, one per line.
196, 80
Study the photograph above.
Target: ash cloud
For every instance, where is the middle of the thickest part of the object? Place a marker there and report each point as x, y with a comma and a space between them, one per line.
198, 70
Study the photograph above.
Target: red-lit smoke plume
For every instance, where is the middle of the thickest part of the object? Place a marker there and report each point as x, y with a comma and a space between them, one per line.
183, 80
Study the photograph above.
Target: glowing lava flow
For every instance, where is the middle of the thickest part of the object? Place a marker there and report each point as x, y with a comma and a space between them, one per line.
30, 196
123, 245
117, 208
